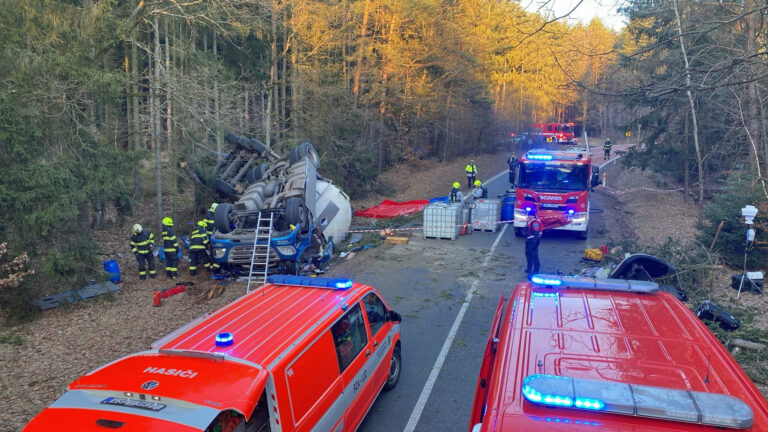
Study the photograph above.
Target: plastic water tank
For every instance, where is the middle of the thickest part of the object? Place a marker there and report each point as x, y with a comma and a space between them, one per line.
333, 205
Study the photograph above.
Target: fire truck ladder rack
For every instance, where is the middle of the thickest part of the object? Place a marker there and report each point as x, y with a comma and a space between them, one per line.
261, 240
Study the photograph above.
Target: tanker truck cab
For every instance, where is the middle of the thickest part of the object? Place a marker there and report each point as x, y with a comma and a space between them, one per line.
556, 185
583, 354
298, 354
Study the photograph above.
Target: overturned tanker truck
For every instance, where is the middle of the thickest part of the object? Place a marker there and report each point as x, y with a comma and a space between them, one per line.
285, 215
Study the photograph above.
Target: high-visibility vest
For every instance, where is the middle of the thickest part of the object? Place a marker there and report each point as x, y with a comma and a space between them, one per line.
607, 145
170, 243
471, 169
142, 242
199, 239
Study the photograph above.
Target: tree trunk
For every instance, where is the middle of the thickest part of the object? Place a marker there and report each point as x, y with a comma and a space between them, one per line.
155, 96
168, 120
699, 162
284, 79
361, 50
217, 103
686, 167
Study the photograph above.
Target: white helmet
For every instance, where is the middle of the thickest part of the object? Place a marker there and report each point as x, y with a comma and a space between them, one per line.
137, 228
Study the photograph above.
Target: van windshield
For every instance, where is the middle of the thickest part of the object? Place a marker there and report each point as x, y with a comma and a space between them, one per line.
553, 176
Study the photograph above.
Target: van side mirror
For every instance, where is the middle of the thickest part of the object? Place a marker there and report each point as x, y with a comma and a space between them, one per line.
595, 180
394, 317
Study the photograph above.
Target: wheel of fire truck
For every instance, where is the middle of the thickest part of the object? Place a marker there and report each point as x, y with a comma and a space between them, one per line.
394, 369
519, 232
296, 213
302, 150
222, 217
256, 173
583, 235
225, 188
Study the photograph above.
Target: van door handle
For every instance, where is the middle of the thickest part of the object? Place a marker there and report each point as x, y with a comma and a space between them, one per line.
367, 353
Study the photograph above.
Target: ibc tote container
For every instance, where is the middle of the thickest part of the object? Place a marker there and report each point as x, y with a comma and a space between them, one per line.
443, 220
485, 215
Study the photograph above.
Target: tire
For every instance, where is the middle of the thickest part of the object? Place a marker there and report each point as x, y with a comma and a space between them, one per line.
395, 366
304, 150
225, 188
583, 235
256, 173
518, 232
222, 217
296, 213
257, 145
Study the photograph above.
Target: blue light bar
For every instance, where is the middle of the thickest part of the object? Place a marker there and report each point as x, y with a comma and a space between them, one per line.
547, 280
225, 339
535, 156
590, 404
316, 282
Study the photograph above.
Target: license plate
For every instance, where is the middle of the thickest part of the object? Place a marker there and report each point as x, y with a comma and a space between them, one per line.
549, 206
132, 403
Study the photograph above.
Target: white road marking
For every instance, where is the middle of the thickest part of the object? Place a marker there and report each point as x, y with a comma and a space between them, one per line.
427, 390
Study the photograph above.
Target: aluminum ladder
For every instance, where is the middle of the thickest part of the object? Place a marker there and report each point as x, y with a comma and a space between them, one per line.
260, 254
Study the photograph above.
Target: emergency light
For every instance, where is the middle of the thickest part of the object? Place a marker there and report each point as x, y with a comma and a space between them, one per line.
225, 339
543, 157
315, 282
600, 284
688, 406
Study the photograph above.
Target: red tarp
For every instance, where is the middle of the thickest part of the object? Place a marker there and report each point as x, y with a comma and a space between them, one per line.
389, 209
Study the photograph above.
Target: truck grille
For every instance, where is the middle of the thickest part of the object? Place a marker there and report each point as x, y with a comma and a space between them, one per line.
242, 255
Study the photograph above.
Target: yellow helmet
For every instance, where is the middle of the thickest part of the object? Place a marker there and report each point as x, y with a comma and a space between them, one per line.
167, 221
457, 185
136, 228
478, 183
213, 207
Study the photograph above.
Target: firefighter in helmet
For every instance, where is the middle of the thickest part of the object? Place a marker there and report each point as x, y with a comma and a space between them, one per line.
607, 148
456, 195
534, 228
209, 221
198, 243
170, 249
142, 242
471, 170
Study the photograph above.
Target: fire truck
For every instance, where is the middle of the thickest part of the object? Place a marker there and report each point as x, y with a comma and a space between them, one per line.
555, 185
561, 133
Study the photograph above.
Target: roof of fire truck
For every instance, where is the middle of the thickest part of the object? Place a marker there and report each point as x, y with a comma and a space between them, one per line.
561, 156
609, 337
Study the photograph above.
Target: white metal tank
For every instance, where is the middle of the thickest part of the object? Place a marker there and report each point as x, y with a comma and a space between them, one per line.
332, 205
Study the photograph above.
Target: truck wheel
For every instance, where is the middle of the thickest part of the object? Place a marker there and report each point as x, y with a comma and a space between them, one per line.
394, 370
222, 217
296, 213
225, 188
304, 150
256, 173
583, 235
518, 232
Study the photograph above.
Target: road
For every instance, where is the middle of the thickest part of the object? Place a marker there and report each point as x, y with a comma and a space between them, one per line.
447, 292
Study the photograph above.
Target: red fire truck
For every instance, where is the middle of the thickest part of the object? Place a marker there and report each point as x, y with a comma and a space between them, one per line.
561, 133
555, 185
584, 354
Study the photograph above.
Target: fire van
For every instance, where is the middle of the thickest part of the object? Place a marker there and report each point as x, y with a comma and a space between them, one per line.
555, 185
583, 354
298, 354
561, 133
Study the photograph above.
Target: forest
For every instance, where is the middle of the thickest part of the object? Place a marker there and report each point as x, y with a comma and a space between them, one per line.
104, 101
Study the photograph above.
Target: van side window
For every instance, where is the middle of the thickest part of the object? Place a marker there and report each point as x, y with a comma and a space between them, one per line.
376, 312
349, 336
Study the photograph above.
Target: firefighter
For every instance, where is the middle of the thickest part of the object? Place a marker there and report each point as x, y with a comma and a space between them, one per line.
456, 195
471, 170
141, 245
607, 148
480, 191
532, 240
512, 162
209, 218
171, 249
198, 243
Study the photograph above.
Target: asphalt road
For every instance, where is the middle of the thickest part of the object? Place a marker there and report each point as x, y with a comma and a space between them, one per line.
447, 292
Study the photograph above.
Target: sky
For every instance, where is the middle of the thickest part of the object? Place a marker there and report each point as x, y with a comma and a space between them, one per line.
588, 9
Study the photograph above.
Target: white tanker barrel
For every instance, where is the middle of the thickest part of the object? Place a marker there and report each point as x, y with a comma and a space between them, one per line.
332, 205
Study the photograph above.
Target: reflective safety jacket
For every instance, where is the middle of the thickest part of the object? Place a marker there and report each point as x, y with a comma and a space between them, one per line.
209, 221
170, 243
142, 242
607, 145
471, 170
199, 239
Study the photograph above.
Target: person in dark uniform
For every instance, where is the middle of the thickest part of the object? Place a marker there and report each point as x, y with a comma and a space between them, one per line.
512, 162
170, 249
607, 148
532, 240
142, 242
198, 245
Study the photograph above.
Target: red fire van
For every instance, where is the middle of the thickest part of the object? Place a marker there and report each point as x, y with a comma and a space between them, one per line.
583, 354
298, 354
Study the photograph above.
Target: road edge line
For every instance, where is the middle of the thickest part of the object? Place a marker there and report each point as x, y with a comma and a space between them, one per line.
413, 420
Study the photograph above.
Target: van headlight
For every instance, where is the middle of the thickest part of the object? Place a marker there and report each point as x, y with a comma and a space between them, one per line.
286, 250
579, 218
521, 215
219, 252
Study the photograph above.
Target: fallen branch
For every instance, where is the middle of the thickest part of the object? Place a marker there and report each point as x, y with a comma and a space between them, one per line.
746, 344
